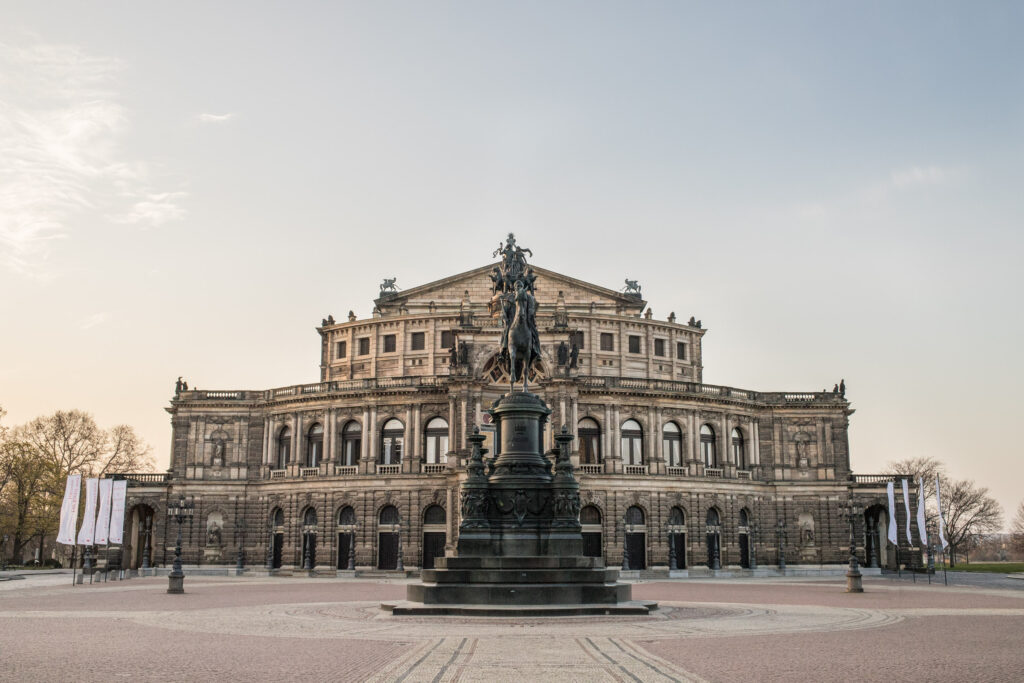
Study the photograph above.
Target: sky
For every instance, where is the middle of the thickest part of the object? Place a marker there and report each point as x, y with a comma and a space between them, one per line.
833, 188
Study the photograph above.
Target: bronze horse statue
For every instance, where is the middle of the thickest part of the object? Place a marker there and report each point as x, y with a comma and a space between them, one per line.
520, 338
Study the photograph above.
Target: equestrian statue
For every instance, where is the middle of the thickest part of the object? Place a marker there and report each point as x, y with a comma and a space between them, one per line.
513, 300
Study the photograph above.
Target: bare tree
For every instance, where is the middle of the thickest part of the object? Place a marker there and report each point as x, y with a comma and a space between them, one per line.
968, 510
1017, 528
73, 443
24, 508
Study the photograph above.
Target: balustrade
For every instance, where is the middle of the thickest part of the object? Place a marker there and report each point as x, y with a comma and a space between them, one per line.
713, 472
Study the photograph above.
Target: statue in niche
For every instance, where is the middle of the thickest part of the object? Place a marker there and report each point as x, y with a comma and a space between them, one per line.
563, 353
574, 355
453, 355
213, 535
805, 523
218, 454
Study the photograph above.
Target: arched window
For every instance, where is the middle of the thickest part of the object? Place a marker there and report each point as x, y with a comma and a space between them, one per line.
744, 518
278, 518
391, 438
436, 446
590, 441
315, 445
676, 517
738, 452
309, 518
713, 518
389, 515
351, 443
634, 515
707, 446
672, 444
434, 515
347, 516
284, 447
590, 515
632, 443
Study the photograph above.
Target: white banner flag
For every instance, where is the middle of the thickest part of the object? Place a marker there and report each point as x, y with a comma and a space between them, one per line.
69, 510
922, 526
906, 504
103, 518
942, 522
85, 534
890, 490
117, 512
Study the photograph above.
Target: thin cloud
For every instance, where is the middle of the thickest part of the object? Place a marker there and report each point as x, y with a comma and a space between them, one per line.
216, 118
60, 123
922, 176
94, 320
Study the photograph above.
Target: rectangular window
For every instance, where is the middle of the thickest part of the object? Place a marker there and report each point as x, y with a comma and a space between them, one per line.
341, 349
659, 347
364, 346
447, 339
419, 341
607, 341
389, 343
681, 350
578, 338
634, 343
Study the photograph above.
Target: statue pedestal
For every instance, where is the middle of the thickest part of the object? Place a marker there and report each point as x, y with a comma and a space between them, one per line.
520, 550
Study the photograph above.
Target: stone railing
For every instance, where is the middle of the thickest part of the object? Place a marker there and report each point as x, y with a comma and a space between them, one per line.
140, 478
278, 474
590, 468
346, 470
713, 472
309, 472
388, 469
435, 468
317, 388
676, 471
743, 474
697, 389
877, 478
635, 469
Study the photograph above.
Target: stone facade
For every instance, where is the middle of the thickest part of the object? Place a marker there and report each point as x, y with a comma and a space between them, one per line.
387, 425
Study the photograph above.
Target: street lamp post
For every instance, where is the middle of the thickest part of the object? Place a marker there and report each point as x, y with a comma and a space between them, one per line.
625, 548
180, 511
307, 536
673, 561
400, 566
753, 546
147, 532
854, 583
352, 550
781, 533
270, 546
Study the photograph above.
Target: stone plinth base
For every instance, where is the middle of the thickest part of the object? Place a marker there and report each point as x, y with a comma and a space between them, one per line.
633, 607
516, 586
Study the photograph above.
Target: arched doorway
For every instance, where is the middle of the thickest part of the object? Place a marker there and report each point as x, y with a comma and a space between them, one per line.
139, 553
714, 538
308, 556
276, 537
677, 538
743, 532
590, 521
434, 535
876, 527
636, 538
388, 528
347, 538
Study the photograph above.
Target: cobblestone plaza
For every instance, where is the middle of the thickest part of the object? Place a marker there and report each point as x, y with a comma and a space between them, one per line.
333, 629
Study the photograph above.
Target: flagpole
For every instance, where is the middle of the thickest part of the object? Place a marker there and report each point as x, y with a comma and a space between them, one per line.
74, 564
899, 570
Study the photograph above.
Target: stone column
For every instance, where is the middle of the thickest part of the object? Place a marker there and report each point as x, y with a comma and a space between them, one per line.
452, 443
606, 439
329, 456
462, 422
297, 444
416, 450
650, 440
616, 429
755, 448
696, 466
268, 431
725, 458
408, 441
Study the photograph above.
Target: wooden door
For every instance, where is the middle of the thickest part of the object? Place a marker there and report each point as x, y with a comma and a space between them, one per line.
387, 550
637, 549
433, 546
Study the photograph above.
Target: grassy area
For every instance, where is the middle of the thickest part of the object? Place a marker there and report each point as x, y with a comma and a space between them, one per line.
998, 567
